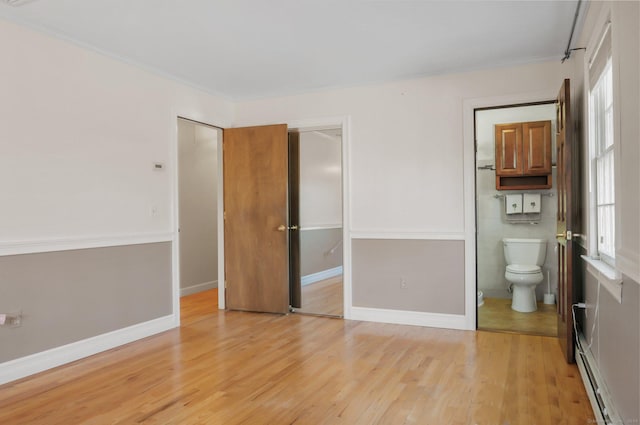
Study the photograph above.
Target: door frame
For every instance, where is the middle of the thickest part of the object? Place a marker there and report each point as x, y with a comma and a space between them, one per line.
469, 183
175, 216
342, 122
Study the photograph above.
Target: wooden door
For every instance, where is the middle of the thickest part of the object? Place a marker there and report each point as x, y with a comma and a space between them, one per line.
567, 189
255, 218
536, 143
509, 149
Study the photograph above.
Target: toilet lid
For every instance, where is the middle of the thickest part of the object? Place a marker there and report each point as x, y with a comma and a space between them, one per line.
523, 269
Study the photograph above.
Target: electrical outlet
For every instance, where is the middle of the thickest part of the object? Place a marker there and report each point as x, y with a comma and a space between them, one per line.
403, 283
11, 320
15, 321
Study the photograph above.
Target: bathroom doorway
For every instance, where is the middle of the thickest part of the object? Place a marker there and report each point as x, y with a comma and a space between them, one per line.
316, 160
497, 219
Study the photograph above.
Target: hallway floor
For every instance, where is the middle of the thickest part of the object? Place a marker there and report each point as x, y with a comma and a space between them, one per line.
324, 297
496, 315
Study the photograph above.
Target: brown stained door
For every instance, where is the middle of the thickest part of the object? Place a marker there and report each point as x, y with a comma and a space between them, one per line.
567, 190
255, 218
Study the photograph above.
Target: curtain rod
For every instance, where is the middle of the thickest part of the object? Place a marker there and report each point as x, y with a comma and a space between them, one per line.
567, 52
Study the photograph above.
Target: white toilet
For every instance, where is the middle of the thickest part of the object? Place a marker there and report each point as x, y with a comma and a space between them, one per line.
524, 258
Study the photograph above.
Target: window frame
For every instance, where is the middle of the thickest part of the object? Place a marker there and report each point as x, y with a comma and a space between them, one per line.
602, 148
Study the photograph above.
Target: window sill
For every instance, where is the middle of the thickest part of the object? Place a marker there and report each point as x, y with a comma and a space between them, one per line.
606, 275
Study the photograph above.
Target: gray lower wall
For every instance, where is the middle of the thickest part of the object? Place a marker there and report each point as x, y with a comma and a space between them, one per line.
315, 246
68, 296
432, 269
616, 343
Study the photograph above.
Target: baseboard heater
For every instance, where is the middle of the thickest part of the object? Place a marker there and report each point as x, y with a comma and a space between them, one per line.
601, 403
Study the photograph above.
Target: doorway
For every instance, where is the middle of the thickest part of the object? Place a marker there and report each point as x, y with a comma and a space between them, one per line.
494, 223
317, 164
336, 124
198, 205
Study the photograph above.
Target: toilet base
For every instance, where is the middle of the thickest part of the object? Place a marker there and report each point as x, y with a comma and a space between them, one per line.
524, 298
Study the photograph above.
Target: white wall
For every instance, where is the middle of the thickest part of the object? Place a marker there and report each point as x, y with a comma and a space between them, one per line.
491, 223
406, 169
79, 133
320, 179
406, 161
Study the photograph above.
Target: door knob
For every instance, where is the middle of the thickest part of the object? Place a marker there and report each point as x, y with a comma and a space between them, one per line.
282, 228
569, 235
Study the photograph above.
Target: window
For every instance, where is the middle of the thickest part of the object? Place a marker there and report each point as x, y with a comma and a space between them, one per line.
602, 148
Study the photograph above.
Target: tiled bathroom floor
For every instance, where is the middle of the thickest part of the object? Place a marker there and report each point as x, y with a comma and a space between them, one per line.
496, 315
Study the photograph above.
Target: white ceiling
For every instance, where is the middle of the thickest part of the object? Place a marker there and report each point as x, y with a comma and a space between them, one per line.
256, 48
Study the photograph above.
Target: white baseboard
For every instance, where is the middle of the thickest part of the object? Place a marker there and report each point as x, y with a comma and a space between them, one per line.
415, 318
34, 363
601, 401
321, 275
406, 234
198, 288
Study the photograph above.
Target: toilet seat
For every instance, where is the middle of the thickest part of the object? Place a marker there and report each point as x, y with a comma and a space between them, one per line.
523, 269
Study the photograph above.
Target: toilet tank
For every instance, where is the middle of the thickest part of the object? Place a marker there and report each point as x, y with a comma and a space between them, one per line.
525, 251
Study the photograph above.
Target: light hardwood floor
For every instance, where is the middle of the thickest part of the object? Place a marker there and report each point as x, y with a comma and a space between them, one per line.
248, 368
324, 297
497, 315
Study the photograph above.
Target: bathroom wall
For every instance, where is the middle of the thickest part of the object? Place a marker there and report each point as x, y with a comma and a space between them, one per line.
492, 226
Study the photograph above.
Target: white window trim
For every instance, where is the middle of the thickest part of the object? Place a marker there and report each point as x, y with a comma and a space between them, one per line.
602, 264
608, 274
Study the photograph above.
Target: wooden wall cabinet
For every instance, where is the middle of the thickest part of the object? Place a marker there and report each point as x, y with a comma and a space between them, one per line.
523, 155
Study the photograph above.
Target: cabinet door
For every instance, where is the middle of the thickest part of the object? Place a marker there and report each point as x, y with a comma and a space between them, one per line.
537, 148
509, 149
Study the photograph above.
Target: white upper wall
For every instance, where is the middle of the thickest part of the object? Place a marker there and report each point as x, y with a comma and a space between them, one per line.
320, 179
98, 125
406, 148
79, 133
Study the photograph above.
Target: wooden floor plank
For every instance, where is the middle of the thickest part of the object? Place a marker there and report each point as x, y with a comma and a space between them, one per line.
323, 297
496, 314
248, 368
